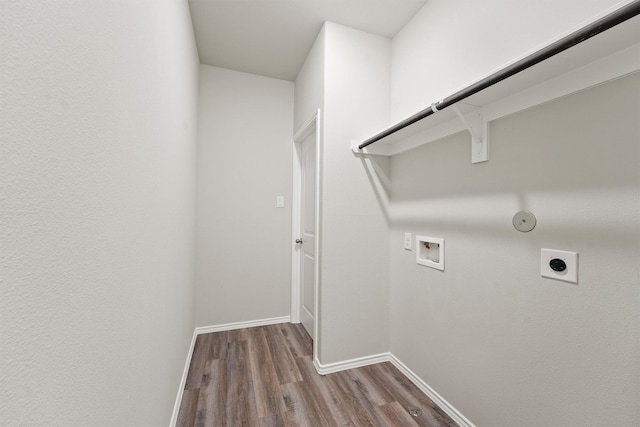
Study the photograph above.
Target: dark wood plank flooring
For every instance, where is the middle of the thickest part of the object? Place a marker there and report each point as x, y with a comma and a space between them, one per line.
265, 377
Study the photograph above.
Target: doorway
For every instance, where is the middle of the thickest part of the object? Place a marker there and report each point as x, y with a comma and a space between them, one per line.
306, 221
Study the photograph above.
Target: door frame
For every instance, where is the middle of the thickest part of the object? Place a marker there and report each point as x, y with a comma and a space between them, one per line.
313, 124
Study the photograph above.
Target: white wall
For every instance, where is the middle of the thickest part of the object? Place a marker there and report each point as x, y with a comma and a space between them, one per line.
309, 84
354, 255
503, 345
97, 158
450, 44
244, 162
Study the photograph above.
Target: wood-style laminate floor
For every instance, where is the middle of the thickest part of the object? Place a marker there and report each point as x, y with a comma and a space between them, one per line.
264, 377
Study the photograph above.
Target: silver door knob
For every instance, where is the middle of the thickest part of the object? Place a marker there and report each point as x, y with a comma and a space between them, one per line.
298, 241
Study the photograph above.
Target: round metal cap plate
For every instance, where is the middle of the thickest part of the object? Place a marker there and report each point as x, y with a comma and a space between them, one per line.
524, 221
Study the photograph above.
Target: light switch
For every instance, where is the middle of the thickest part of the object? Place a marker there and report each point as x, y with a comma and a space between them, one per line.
280, 202
407, 241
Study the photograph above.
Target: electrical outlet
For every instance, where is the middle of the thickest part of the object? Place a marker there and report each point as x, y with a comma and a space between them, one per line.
407, 241
559, 265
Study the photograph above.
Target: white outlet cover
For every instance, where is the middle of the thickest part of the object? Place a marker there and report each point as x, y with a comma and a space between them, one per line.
407, 241
570, 258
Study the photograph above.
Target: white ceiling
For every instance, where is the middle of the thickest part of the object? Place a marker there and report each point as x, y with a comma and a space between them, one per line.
272, 37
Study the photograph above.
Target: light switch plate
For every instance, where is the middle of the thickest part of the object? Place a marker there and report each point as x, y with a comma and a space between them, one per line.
280, 202
570, 274
407, 241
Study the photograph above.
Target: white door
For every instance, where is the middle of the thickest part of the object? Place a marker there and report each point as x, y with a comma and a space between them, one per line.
307, 238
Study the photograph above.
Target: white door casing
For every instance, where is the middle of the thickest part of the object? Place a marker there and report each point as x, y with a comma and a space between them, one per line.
306, 242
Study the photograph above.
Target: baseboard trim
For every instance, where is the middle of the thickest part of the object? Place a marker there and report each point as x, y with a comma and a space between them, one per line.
359, 362
433, 395
331, 368
207, 330
183, 380
242, 325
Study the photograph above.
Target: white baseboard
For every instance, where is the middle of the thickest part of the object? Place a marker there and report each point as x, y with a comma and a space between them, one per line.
183, 380
207, 330
359, 362
448, 408
242, 325
433, 395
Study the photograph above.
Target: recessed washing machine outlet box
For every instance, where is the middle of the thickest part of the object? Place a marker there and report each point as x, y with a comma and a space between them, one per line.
430, 252
559, 265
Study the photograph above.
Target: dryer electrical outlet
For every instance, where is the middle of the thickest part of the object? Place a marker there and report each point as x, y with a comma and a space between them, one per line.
559, 265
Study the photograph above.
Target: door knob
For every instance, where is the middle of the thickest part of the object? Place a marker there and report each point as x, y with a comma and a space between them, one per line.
298, 241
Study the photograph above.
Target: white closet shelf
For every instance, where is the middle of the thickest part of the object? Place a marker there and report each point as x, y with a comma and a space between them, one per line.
609, 55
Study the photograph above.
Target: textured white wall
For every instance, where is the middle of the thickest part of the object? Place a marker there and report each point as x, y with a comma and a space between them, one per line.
309, 84
97, 193
450, 44
505, 346
354, 255
245, 148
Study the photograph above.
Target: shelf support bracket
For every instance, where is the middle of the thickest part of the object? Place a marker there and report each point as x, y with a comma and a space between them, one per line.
477, 127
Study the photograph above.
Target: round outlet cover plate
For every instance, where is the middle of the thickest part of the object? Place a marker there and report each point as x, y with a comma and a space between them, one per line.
524, 221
